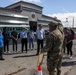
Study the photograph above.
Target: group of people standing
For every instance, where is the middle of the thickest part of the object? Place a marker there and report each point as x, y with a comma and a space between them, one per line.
29, 37
25, 36
53, 45
4, 41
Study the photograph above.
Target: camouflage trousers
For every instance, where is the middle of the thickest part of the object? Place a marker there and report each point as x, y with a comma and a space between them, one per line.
54, 66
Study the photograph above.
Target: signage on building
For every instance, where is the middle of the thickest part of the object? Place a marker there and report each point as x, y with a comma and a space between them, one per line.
33, 16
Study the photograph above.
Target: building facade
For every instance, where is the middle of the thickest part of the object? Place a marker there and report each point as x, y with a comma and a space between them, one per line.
24, 13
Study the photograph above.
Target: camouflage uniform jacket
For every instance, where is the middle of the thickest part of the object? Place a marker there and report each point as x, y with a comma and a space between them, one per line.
54, 43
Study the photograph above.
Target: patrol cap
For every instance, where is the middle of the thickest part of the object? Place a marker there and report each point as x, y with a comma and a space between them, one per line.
59, 23
53, 23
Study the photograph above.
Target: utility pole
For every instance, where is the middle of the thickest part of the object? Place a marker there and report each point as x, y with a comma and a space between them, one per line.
67, 22
73, 23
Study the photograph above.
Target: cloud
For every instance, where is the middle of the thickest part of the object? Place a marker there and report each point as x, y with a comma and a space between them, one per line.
64, 10
27, 0
71, 17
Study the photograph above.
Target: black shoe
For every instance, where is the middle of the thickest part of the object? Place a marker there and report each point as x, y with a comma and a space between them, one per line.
2, 59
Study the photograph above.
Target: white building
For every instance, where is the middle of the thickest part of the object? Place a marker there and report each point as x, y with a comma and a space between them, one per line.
24, 13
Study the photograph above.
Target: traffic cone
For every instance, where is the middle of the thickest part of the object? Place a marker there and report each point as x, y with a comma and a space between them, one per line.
40, 70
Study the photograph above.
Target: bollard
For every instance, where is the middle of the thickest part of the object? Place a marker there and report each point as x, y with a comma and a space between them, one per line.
40, 70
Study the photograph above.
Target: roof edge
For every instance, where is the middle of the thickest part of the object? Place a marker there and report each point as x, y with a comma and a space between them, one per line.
10, 9
47, 16
22, 2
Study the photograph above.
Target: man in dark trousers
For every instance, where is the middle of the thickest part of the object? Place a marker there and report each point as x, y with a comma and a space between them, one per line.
14, 35
23, 37
40, 38
6, 39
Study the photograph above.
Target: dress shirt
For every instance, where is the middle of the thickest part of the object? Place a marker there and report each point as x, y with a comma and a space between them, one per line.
40, 34
23, 34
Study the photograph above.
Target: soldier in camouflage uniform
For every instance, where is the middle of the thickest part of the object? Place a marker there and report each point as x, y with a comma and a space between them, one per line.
53, 47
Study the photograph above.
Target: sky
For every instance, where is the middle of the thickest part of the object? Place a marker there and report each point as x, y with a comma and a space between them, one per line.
62, 9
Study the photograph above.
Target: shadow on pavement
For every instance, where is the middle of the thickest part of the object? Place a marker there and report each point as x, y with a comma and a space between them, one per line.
24, 56
72, 63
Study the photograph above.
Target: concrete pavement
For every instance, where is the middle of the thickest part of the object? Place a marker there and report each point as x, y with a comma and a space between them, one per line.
26, 63
72, 71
